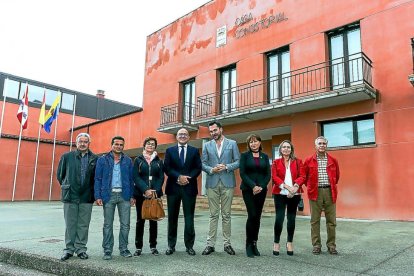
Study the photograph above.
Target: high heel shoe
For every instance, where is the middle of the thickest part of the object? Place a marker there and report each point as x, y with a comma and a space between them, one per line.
275, 253
290, 253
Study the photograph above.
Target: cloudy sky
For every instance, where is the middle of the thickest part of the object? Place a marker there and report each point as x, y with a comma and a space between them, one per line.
84, 45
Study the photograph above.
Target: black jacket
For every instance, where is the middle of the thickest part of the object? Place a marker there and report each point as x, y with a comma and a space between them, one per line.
69, 177
141, 173
252, 175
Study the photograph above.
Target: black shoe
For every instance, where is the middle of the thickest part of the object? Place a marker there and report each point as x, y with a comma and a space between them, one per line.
170, 250
290, 253
190, 251
229, 250
138, 252
83, 256
255, 250
154, 251
208, 250
276, 253
249, 250
66, 256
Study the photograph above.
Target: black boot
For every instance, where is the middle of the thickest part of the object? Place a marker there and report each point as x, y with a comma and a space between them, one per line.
249, 250
255, 250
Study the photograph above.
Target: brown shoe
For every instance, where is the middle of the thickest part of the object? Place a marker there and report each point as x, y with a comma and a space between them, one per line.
316, 250
332, 251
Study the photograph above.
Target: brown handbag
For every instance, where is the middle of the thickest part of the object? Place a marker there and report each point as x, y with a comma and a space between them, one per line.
152, 208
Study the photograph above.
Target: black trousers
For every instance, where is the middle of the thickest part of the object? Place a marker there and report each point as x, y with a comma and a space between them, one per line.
139, 230
254, 206
289, 205
173, 206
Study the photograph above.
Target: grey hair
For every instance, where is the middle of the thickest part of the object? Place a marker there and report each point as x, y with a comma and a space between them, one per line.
83, 134
320, 138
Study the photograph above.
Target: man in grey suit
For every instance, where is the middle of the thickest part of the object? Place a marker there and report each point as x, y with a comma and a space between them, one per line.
220, 158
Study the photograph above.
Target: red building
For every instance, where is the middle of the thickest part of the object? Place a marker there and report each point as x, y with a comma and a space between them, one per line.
289, 70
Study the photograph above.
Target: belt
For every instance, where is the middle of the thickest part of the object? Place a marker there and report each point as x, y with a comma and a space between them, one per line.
117, 190
324, 187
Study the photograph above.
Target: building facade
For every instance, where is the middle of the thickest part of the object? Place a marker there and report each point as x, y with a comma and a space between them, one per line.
289, 70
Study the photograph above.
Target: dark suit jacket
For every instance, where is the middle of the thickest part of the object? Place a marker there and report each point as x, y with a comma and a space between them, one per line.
173, 169
252, 175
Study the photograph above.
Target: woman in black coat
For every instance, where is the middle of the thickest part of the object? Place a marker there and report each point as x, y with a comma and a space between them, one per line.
255, 175
148, 177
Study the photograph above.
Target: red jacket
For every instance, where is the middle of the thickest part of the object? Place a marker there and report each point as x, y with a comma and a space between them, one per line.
279, 172
310, 170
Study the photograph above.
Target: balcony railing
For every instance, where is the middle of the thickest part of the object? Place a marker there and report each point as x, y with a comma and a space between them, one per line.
319, 78
344, 75
177, 114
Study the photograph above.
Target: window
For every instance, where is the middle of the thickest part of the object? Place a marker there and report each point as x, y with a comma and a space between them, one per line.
278, 71
67, 101
188, 101
13, 88
228, 89
350, 132
346, 57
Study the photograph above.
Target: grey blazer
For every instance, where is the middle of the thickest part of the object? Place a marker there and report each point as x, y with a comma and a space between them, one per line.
230, 157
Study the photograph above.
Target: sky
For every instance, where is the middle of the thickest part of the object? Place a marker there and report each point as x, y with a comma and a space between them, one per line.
84, 45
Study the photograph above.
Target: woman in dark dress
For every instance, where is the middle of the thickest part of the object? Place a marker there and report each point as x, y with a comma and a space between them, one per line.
255, 175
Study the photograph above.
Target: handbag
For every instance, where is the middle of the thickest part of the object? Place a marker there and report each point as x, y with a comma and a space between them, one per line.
152, 208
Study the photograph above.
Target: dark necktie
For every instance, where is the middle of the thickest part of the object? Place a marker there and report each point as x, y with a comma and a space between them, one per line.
182, 155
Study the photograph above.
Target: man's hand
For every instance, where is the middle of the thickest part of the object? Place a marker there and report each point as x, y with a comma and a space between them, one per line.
184, 179
148, 193
132, 201
99, 202
219, 168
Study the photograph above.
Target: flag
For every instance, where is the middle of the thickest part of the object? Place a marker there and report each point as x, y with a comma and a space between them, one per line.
52, 114
42, 117
23, 111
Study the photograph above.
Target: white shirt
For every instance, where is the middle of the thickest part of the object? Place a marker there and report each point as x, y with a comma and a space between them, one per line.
288, 181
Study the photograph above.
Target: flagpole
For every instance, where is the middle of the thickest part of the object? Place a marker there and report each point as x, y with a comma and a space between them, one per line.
18, 147
5, 88
17, 161
35, 169
53, 154
73, 122
38, 144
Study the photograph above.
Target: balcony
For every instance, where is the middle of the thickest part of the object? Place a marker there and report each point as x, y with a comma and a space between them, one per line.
327, 84
177, 116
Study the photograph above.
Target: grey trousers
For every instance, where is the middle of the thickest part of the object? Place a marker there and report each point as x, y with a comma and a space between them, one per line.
77, 219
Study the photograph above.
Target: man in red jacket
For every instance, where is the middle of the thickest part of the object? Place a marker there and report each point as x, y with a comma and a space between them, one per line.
322, 175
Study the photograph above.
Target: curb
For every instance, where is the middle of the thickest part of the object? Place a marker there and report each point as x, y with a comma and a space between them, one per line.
54, 266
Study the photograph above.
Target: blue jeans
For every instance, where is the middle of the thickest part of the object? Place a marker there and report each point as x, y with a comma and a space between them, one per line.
124, 212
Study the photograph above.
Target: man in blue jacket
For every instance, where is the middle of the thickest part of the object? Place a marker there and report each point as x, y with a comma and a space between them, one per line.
114, 186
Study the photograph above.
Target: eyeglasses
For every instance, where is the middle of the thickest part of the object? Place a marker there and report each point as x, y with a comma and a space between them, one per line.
322, 144
182, 135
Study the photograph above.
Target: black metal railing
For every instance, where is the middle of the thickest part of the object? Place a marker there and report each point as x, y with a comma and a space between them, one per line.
315, 79
323, 77
177, 114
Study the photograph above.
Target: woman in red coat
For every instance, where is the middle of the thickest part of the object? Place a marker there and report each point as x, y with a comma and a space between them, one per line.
287, 187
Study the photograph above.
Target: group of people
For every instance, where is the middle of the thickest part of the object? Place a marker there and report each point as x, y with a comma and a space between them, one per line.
115, 181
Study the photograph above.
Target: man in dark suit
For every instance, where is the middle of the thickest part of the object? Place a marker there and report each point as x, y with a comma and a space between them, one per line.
182, 165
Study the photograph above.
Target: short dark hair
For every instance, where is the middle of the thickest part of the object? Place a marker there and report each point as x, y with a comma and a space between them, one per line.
253, 137
214, 123
150, 139
117, 138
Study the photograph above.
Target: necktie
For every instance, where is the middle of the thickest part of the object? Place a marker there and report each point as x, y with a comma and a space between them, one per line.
182, 155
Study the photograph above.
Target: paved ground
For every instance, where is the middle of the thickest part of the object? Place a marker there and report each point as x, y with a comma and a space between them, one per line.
31, 236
